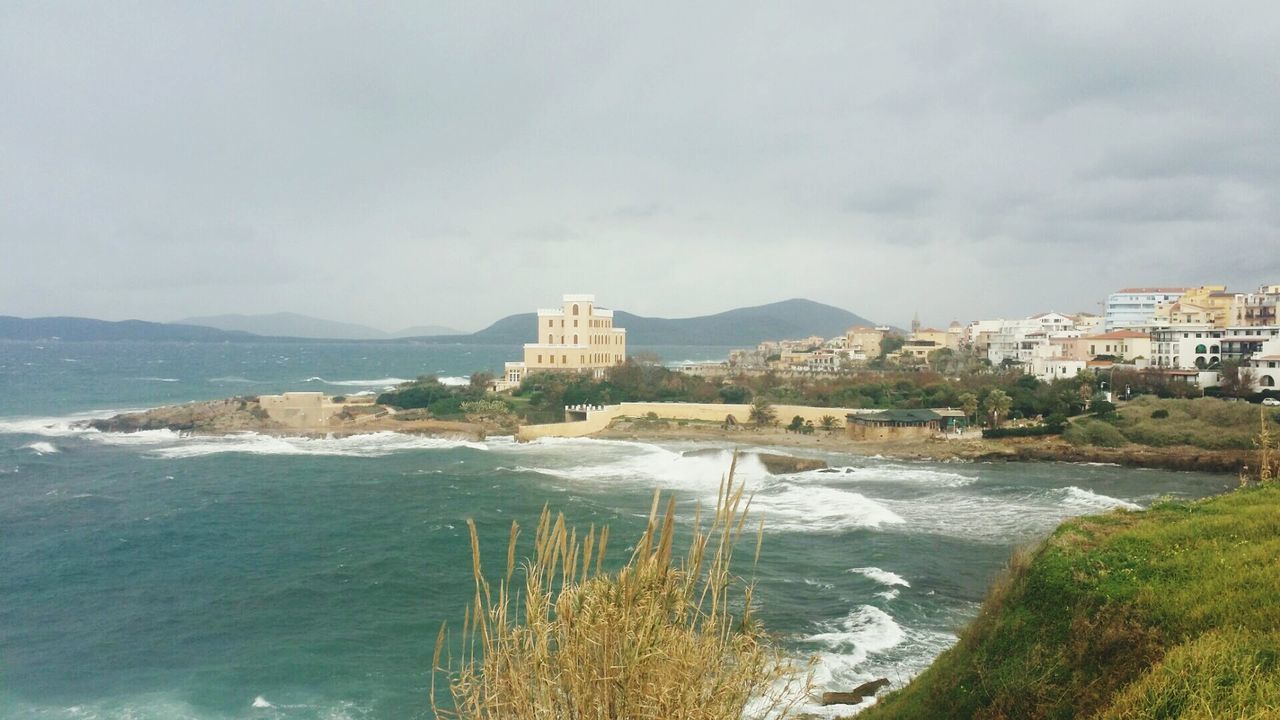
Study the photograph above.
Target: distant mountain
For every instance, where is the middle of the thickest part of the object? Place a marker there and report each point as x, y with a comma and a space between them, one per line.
79, 329
293, 325
742, 327
425, 331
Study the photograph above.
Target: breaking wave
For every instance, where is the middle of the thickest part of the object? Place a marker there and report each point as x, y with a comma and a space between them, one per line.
795, 508
42, 448
378, 382
367, 445
1089, 501
884, 577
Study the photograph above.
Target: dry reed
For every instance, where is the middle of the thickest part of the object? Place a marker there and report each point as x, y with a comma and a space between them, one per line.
655, 640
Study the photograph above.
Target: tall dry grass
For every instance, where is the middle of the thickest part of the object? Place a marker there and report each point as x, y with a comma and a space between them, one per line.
660, 638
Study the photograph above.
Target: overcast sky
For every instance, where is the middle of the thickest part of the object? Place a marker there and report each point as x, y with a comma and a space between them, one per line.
454, 163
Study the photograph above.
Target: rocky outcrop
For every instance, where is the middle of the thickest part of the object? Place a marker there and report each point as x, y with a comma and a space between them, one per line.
855, 696
785, 464
216, 416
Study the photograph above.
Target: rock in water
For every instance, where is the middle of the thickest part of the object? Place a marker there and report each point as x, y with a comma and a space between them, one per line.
857, 695
783, 464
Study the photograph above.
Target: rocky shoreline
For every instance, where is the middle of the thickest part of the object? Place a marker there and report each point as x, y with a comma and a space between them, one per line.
246, 414
971, 449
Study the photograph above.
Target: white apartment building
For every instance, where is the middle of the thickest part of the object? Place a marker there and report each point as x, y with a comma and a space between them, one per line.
1266, 365
1134, 307
1185, 347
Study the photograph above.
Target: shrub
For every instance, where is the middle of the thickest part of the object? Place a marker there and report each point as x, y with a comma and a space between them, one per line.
1102, 408
654, 640
1029, 431
1094, 432
1159, 414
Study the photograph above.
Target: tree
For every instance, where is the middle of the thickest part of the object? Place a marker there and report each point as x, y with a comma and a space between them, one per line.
830, 423
996, 405
1237, 380
796, 424
762, 413
969, 404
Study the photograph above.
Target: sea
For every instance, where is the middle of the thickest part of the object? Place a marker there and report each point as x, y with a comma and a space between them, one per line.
152, 575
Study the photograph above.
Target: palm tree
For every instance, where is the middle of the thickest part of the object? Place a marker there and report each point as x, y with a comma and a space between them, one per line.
996, 405
969, 404
829, 423
762, 412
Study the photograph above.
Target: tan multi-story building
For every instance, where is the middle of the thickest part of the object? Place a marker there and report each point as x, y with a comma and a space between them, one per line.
576, 337
1256, 309
863, 343
1204, 305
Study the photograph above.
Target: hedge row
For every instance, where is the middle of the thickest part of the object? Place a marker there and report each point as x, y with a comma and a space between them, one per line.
1030, 431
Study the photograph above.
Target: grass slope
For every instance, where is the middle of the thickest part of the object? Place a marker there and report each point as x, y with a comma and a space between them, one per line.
1207, 423
1169, 613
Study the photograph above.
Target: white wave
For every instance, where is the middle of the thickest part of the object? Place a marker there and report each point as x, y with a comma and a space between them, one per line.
261, 702
888, 473
141, 437
377, 382
865, 631
1089, 500
608, 463
884, 577
64, 426
1001, 518
42, 448
160, 379
890, 594
366, 445
236, 379
454, 381
794, 508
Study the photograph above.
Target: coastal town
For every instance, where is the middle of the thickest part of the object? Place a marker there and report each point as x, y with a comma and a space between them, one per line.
1190, 336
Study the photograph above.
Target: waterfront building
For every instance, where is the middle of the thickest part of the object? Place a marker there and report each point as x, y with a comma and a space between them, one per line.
578, 336
1135, 307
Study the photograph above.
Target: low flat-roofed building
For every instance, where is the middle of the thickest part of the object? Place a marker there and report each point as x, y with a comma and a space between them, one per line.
903, 424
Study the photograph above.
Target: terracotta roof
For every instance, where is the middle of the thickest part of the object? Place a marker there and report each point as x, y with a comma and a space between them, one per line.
1266, 357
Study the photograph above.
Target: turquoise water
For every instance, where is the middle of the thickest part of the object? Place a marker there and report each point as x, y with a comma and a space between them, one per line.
153, 576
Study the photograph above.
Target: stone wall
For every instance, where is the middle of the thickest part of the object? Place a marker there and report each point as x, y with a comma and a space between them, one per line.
598, 420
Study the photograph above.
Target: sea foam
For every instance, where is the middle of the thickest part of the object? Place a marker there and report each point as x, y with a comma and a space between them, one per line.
377, 382
366, 445
884, 577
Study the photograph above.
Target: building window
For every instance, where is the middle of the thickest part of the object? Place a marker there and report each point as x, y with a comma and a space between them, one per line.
575, 309
575, 339
550, 339
564, 359
539, 359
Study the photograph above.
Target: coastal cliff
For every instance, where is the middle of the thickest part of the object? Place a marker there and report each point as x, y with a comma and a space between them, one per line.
1169, 612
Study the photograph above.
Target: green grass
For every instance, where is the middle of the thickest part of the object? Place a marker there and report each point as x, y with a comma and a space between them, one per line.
1207, 423
1168, 613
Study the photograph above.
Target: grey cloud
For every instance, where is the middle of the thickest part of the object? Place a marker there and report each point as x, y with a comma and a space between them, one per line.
674, 159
